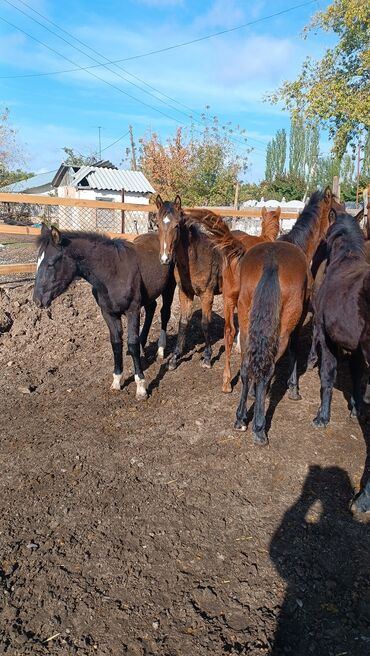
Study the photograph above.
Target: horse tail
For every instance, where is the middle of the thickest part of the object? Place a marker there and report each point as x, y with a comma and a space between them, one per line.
264, 328
221, 235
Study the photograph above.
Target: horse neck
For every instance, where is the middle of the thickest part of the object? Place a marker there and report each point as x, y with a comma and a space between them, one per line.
82, 250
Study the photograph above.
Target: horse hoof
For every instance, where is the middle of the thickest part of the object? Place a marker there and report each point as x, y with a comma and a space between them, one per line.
240, 425
160, 353
311, 364
260, 439
226, 388
251, 394
361, 504
172, 365
294, 395
141, 396
206, 364
318, 422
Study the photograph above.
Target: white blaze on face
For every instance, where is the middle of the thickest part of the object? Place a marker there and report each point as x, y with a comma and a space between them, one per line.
166, 219
39, 261
164, 254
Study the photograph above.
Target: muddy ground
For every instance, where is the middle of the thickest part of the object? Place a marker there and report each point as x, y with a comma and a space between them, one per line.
154, 528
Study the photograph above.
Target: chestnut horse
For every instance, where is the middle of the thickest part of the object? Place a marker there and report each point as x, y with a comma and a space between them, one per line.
275, 283
198, 270
345, 324
222, 236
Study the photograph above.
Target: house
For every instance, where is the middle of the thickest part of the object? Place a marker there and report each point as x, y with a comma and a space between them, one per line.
102, 181
40, 184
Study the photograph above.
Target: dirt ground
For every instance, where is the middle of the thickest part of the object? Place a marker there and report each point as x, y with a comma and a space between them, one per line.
154, 528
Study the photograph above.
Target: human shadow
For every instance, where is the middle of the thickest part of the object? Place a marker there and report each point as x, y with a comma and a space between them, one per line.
323, 555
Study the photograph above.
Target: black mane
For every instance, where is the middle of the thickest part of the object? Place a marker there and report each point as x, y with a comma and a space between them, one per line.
346, 229
93, 237
305, 223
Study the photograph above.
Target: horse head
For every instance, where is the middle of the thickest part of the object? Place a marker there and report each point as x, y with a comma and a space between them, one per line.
169, 218
56, 268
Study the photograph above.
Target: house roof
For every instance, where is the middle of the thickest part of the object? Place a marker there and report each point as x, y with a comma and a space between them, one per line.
102, 177
35, 181
114, 180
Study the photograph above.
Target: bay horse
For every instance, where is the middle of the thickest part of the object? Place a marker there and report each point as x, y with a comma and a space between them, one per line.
222, 236
115, 270
344, 324
198, 270
275, 283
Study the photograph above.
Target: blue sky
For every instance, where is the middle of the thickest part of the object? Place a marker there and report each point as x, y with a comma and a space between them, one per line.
230, 73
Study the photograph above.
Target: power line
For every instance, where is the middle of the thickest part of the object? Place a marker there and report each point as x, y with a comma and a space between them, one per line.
86, 45
236, 140
183, 44
105, 65
114, 142
101, 79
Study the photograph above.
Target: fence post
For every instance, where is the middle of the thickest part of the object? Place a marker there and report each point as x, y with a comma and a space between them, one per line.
336, 187
122, 212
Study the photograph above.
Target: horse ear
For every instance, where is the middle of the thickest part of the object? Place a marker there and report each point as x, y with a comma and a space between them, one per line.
159, 202
278, 212
328, 194
332, 216
56, 236
177, 202
264, 212
44, 230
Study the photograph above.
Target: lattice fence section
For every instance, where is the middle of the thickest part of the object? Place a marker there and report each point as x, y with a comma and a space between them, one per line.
77, 218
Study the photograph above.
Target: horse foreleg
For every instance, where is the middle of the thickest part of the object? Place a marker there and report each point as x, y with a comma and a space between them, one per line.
293, 392
186, 303
312, 358
328, 372
149, 314
206, 300
167, 298
356, 367
115, 331
133, 344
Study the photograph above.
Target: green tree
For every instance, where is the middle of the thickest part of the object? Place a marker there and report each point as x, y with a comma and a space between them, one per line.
276, 155
288, 186
335, 90
297, 148
202, 164
77, 159
11, 153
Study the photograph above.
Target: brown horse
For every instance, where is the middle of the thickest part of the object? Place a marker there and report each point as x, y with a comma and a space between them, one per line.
275, 283
221, 236
198, 270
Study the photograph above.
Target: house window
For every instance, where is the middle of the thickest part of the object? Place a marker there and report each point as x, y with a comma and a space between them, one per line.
106, 199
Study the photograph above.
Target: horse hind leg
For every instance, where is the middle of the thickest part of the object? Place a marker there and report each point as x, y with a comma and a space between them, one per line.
229, 334
293, 392
356, 367
328, 372
133, 343
241, 413
149, 314
259, 418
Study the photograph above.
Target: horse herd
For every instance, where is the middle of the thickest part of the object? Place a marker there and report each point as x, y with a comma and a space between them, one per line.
319, 265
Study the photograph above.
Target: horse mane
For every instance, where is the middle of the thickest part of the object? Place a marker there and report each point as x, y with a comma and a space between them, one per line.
92, 237
347, 235
221, 235
306, 222
270, 225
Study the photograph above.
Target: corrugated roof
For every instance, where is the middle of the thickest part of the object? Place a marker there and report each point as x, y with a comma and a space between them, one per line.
36, 181
114, 180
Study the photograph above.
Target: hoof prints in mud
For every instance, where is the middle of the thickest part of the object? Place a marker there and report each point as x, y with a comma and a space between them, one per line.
155, 529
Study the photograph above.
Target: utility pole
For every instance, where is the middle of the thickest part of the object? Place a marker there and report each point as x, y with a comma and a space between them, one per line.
99, 132
359, 160
236, 196
133, 149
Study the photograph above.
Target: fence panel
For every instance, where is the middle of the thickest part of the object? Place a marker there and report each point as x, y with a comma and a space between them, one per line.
21, 216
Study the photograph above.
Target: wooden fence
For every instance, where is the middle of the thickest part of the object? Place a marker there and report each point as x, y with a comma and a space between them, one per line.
31, 200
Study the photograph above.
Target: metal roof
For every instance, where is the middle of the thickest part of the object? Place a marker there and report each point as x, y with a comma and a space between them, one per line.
113, 180
39, 180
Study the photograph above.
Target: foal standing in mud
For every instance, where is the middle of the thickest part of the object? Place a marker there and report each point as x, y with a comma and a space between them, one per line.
198, 270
